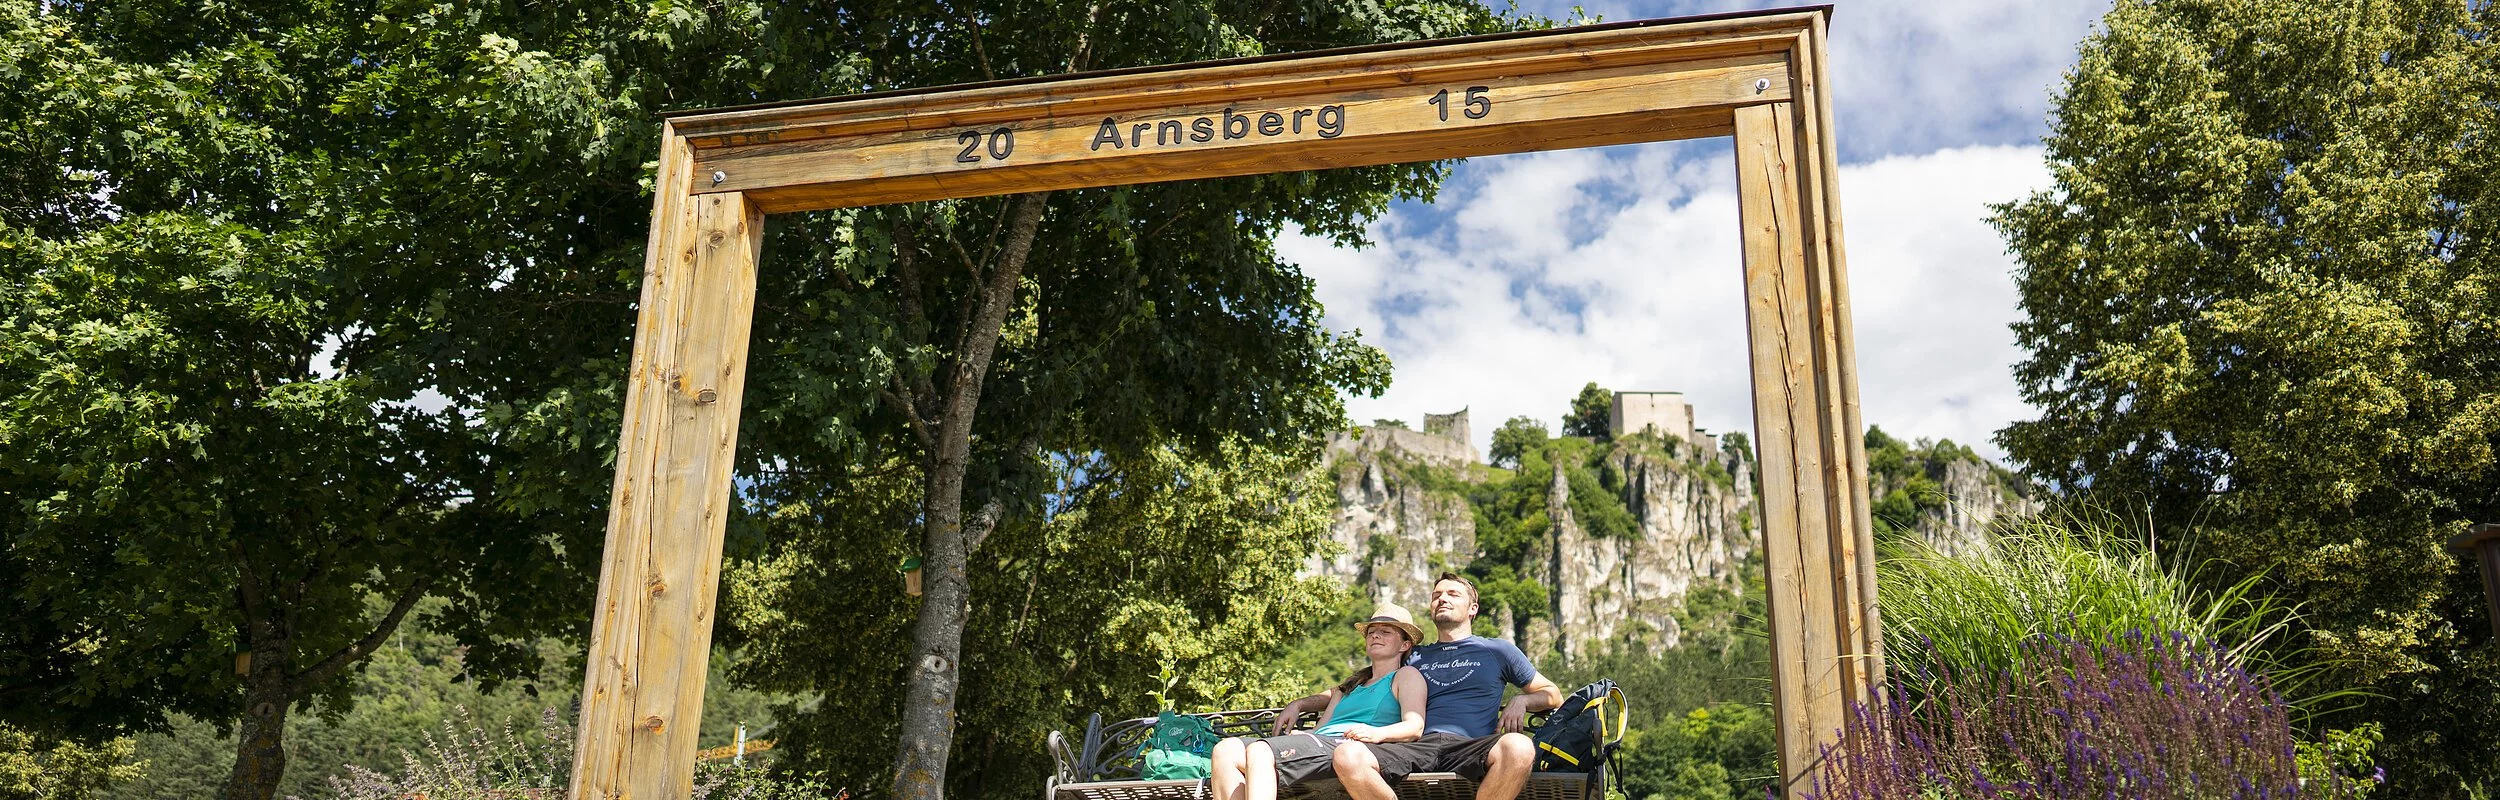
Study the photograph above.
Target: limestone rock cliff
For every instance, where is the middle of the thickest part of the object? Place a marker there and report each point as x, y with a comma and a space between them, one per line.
1693, 523
1394, 534
1675, 515
1940, 493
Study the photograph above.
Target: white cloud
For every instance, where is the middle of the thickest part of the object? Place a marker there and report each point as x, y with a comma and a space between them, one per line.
1912, 76
1540, 272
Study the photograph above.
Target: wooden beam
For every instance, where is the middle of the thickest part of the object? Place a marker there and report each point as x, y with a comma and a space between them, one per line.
1758, 77
1563, 90
1811, 488
1868, 685
651, 634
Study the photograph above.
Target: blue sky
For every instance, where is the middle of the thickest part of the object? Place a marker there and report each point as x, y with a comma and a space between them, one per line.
1536, 273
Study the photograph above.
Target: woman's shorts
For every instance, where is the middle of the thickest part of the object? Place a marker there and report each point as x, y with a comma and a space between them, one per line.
1303, 756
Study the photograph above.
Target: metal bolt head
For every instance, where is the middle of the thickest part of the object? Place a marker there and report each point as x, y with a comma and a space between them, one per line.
718, 177
1760, 85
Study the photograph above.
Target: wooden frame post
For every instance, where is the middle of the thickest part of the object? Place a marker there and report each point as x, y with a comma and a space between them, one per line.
651, 635
1756, 76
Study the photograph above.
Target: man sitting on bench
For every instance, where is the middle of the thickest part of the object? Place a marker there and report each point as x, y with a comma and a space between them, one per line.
1463, 709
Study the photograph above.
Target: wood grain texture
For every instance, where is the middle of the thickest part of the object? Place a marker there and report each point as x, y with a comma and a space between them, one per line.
1870, 638
1548, 92
642, 698
1809, 534
1759, 78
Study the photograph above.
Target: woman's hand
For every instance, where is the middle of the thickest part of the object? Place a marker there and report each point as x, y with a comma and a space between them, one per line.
1363, 733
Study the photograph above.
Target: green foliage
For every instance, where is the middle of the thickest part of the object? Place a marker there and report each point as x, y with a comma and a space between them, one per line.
263, 351
1699, 723
2262, 297
1722, 751
2077, 576
1906, 480
63, 770
1737, 445
335, 298
1514, 439
2340, 756
469, 760
1592, 413
416, 686
1160, 560
1385, 422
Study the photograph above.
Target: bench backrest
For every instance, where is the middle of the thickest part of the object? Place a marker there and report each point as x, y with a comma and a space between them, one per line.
1116, 751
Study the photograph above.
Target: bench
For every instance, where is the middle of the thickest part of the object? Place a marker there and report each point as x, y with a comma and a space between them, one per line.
1105, 765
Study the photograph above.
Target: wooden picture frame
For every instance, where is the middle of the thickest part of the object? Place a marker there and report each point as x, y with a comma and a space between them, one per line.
1757, 77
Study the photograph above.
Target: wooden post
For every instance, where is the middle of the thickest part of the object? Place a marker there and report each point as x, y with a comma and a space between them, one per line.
1757, 75
651, 635
2482, 542
1812, 476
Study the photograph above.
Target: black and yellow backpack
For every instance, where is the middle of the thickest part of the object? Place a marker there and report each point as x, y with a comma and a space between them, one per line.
1578, 736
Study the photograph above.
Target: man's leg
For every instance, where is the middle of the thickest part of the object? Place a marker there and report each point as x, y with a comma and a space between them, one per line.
1224, 777
1506, 767
1359, 772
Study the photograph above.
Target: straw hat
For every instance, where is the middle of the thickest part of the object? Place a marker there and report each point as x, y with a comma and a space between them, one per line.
1394, 614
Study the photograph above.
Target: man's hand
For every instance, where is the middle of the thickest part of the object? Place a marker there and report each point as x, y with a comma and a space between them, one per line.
1515, 714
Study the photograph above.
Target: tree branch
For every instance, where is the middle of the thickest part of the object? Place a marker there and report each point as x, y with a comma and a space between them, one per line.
907, 279
893, 394
313, 676
978, 53
983, 522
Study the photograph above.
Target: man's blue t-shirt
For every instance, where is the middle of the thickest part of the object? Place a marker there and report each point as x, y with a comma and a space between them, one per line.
1463, 683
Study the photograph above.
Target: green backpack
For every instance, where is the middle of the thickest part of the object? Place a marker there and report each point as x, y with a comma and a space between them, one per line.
1178, 749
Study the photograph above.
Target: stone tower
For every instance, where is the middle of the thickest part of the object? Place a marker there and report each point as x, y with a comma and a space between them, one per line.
1453, 425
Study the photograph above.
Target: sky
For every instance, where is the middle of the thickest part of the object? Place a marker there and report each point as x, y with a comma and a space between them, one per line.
1534, 274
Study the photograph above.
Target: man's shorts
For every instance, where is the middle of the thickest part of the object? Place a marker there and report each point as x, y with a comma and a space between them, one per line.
1438, 751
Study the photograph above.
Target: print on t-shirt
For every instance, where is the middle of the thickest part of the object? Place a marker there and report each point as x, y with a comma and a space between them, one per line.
1463, 683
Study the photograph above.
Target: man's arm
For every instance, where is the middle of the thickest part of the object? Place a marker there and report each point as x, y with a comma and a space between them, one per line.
1292, 712
1539, 695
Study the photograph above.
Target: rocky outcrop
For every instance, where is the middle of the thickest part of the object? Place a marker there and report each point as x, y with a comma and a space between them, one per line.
1952, 498
1977, 497
1394, 534
1403, 517
1694, 524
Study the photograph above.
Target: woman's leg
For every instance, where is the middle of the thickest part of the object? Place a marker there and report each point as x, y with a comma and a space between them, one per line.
1225, 775
1261, 766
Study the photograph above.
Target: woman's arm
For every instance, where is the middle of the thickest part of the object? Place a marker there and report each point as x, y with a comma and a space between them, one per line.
1292, 712
1409, 688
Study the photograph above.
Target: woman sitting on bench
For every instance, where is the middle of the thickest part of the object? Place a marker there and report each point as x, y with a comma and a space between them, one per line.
1364, 708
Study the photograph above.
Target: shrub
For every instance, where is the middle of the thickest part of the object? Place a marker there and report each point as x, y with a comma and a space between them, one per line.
2076, 574
469, 762
2134, 717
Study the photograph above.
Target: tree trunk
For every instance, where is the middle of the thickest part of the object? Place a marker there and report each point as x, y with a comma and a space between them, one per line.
260, 747
928, 719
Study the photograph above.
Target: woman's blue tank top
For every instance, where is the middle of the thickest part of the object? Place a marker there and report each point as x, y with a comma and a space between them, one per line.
1374, 704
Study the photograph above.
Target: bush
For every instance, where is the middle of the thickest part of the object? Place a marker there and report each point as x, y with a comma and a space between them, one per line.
469, 762
2135, 717
2075, 575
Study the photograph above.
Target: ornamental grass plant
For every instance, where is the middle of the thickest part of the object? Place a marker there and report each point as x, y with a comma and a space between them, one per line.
2079, 573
